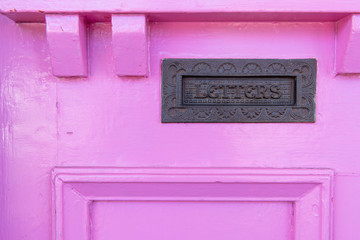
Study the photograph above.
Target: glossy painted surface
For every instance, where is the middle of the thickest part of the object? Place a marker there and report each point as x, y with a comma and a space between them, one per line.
189, 220
192, 203
130, 38
109, 121
183, 6
348, 42
67, 41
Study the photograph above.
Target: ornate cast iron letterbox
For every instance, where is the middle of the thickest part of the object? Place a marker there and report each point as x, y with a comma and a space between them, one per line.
238, 90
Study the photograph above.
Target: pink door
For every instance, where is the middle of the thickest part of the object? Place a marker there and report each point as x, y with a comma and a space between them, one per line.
86, 153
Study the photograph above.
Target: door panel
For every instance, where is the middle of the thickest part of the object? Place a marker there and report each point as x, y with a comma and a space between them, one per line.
191, 220
88, 157
192, 203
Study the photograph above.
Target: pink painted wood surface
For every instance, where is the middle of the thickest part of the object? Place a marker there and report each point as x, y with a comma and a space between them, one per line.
66, 36
348, 45
126, 6
179, 203
130, 44
191, 220
187, 10
175, 16
110, 121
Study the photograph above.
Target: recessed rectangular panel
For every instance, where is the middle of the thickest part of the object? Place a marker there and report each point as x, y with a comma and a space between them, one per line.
238, 90
191, 220
191, 203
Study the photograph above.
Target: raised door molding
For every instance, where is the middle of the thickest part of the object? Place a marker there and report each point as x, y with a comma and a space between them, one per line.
75, 190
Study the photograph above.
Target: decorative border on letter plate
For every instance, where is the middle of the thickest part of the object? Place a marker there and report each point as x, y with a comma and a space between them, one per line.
310, 191
173, 70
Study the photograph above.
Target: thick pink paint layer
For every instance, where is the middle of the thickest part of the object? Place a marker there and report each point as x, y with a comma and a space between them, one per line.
191, 220
129, 38
348, 45
180, 202
108, 121
181, 6
29, 132
66, 36
118, 119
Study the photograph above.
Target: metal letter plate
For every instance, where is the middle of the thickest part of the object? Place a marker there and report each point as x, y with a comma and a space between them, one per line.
238, 90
